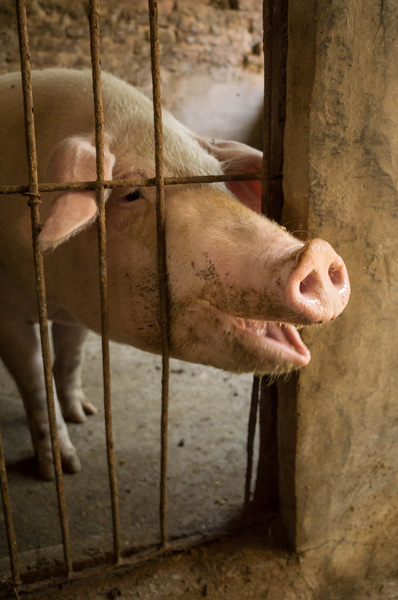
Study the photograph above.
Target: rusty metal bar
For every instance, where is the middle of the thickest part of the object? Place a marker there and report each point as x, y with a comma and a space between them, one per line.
11, 539
266, 494
265, 190
129, 562
268, 6
251, 432
266, 178
99, 144
16, 594
120, 183
38, 262
162, 267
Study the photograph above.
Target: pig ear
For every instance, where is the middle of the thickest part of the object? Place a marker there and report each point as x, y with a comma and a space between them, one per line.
74, 159
237, 159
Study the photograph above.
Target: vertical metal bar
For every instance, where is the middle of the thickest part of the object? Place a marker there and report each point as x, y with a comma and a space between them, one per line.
162, 267
5, 496
268, 6
266, 493
38, 262
251, 432
99, 144
265, 192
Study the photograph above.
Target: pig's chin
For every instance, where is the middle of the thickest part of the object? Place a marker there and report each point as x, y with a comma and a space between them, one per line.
279, 343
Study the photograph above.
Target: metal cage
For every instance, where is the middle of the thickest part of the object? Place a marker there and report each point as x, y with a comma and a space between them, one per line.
267, 399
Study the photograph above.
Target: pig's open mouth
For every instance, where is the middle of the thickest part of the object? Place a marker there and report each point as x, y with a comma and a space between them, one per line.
281, 338
277, 343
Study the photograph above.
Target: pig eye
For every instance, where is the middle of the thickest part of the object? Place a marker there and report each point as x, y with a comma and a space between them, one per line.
131, 196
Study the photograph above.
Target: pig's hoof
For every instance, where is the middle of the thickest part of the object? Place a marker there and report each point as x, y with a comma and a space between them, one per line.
77, 410
71, 463
46, 468
88, 408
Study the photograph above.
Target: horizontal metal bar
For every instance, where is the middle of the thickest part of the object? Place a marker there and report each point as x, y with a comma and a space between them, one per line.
82, 572
126, 183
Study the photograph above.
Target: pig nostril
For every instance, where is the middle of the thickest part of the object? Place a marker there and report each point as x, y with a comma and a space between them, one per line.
308, 286
336, 275
319, 286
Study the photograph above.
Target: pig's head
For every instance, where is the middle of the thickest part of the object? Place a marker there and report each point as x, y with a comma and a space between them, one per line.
239, 284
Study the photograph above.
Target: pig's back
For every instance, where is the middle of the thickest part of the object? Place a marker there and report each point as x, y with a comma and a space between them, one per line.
62, 107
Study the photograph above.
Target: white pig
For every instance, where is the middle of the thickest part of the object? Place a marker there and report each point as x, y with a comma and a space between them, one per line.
238, 282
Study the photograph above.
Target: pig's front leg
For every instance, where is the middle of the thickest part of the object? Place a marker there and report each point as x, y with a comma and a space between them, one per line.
21, 352
69, 353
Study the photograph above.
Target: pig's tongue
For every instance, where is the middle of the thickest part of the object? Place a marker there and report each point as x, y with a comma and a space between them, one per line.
278, 333
279, 340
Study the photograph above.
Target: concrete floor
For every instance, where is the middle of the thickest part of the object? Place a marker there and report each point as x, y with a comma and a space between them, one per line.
207, 457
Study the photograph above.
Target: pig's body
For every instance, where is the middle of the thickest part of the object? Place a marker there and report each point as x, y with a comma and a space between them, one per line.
234, 277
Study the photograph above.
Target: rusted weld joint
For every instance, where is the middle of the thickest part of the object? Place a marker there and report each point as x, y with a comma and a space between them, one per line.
99, 188
34, 199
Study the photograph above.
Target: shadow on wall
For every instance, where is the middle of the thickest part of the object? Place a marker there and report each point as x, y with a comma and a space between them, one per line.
255, 136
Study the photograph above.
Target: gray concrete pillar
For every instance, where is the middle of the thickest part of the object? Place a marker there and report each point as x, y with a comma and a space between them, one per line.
338, 418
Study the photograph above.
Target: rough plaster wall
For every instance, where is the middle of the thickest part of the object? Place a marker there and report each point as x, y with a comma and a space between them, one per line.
338, 420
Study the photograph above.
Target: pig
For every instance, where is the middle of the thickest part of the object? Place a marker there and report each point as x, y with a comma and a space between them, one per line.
239, 284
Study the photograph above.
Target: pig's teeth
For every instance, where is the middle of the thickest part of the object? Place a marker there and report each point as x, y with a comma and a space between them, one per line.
276, 337
259, 327
286, 335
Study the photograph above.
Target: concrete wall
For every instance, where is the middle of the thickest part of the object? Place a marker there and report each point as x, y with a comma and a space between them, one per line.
338, 424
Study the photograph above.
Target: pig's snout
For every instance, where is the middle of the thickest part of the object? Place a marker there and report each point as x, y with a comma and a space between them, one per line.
319, 286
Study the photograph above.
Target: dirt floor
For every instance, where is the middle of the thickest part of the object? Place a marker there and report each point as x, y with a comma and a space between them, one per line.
245, 566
